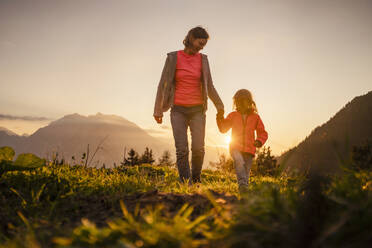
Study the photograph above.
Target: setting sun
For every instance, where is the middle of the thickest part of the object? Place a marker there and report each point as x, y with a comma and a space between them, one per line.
228, 139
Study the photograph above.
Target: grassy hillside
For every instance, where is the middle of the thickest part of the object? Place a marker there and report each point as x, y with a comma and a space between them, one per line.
146, 206
331, 144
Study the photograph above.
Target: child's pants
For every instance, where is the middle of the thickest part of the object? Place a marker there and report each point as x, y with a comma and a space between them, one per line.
242, 162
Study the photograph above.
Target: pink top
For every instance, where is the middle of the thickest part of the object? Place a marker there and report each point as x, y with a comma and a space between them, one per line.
188, 79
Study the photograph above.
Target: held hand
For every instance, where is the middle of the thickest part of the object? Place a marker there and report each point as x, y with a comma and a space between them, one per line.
220, 114
158, 119
257, 143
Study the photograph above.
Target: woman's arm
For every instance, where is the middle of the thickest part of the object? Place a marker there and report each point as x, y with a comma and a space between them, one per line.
212, 92
158, 108
223, 124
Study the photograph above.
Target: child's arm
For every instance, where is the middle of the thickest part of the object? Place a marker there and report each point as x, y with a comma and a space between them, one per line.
261, 133
223, 124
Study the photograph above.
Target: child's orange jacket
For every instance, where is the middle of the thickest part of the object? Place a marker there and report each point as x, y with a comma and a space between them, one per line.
243, 136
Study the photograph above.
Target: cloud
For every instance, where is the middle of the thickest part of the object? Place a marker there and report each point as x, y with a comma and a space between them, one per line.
23, 118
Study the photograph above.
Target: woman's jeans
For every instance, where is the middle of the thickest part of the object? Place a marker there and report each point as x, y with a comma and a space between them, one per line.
242, 162
181, 119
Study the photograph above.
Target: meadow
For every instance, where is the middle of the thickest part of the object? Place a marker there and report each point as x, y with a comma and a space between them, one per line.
62, 205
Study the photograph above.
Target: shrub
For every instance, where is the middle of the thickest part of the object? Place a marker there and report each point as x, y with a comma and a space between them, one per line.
132, 159
147, 157
24, 161
166, 159
266, 163
362, 157
225, 163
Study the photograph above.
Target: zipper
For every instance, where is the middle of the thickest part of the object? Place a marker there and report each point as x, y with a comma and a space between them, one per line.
244, 125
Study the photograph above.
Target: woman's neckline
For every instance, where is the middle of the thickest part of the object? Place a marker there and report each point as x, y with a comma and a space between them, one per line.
189, 55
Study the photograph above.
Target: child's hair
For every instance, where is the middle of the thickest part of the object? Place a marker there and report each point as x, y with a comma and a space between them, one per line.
196, 33
243, 102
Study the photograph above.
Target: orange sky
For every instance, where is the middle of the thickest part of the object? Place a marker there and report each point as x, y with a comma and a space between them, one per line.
302, 60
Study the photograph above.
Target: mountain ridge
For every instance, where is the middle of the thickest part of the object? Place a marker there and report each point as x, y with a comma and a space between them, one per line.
330, 144
7, 131
70, 136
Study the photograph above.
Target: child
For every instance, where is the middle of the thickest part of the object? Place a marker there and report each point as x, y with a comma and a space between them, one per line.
243, 122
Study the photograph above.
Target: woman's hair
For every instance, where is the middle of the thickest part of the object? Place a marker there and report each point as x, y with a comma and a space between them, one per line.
196, 33
243, 102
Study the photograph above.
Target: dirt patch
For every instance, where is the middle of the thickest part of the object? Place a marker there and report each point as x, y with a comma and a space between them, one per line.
173, 202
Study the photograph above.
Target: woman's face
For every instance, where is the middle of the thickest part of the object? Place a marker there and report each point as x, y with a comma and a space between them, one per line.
197, 44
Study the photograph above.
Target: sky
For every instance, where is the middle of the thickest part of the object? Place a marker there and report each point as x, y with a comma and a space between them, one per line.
302, 60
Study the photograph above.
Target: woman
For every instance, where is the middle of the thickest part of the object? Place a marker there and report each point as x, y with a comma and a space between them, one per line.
184, 87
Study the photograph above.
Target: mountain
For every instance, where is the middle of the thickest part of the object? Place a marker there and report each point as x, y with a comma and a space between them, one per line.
10, 138
331, 143
6, 131
71, 135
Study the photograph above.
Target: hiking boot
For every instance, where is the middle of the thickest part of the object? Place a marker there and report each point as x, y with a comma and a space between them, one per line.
196, 180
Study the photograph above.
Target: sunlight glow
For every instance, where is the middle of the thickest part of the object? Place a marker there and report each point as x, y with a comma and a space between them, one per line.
228, 139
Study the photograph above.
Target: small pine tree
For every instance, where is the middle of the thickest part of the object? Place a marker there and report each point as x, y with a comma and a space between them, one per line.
165, 159
132, 159
147, 157
225, 163
266, 163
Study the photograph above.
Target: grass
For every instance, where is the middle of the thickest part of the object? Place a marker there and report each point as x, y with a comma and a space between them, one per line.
146, 206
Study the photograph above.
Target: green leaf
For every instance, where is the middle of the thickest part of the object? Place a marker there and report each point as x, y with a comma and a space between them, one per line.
29, 161
6, 153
